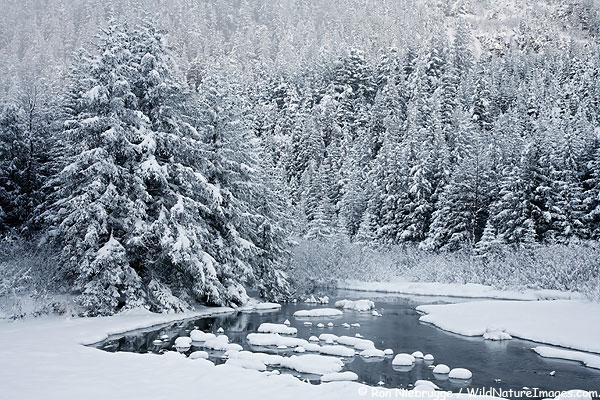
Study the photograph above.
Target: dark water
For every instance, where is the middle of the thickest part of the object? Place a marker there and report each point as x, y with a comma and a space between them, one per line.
513, 362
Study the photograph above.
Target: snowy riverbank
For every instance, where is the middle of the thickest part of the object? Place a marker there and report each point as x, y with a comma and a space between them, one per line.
469, 290
566, 323
46, 358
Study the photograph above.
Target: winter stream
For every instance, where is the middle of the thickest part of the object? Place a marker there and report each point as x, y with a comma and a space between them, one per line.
509, 364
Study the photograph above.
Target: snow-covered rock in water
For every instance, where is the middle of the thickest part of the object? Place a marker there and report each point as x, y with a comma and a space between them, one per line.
356, 305
337, 350
329, 341
358, 335
328, 337
339, 376
346, 325
320, 325
313, 339
496, 334
460, 373
198, 354
417, 354
220, 330
313, 364
376, 313
299, 349
330, 324
428, 357
221, 343
273, 339
287, 322
318, 312
277, 328
372, 353
157, 342
307, 323
388, 352
267, 306
312, 347
282, 347
199, 336
441, 369
323, 300
423, 388
267, 359
355, 325
164, 337
423, 382
183, 343
403, 359
357, 343
247, 363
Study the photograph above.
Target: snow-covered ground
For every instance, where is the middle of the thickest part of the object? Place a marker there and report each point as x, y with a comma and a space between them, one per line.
469, 290
565, 323
46, 358
589, 360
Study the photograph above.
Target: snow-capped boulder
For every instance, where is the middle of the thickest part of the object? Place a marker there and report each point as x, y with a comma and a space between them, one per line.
277, 328
330, 324
314, 338
198, 354
199, 336
299, 349
313, 364
403, 359
417, 354
267, 306
372, 353
220, 330
423, 382
356, 305
355, 325
388, 352
441, 369
328, 337
337, 350
273, 339
318, 312
428, 357
357, 343
460, 373
157, 342
346, 325
183, 343
320, 325
287, 322
339, 376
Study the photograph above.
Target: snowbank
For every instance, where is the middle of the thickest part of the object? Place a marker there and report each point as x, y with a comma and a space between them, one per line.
356, 305
470, 290
276, 328
33, 369
318, 312
565, 323
589, 360
267, 306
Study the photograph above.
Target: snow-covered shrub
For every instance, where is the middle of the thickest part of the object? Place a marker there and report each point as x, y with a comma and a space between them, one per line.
571, 267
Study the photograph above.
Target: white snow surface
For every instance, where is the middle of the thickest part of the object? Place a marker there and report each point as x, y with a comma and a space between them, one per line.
356, 305
267, 306
273, 339
403, 359
460, 373
441, 369
566, 323
200, 336
339, 376
372, 353
468, 290
276, 328
589, 360
313, 364
318, 312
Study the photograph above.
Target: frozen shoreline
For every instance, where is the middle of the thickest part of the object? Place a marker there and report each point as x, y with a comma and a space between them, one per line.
565, 323
46, 358
469, 290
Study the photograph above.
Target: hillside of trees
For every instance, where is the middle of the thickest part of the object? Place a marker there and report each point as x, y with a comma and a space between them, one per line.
161, 169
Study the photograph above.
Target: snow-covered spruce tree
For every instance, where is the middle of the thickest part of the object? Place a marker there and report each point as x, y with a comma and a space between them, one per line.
90, 209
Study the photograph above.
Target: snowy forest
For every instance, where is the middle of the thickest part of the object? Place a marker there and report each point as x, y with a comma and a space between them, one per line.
168, 153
